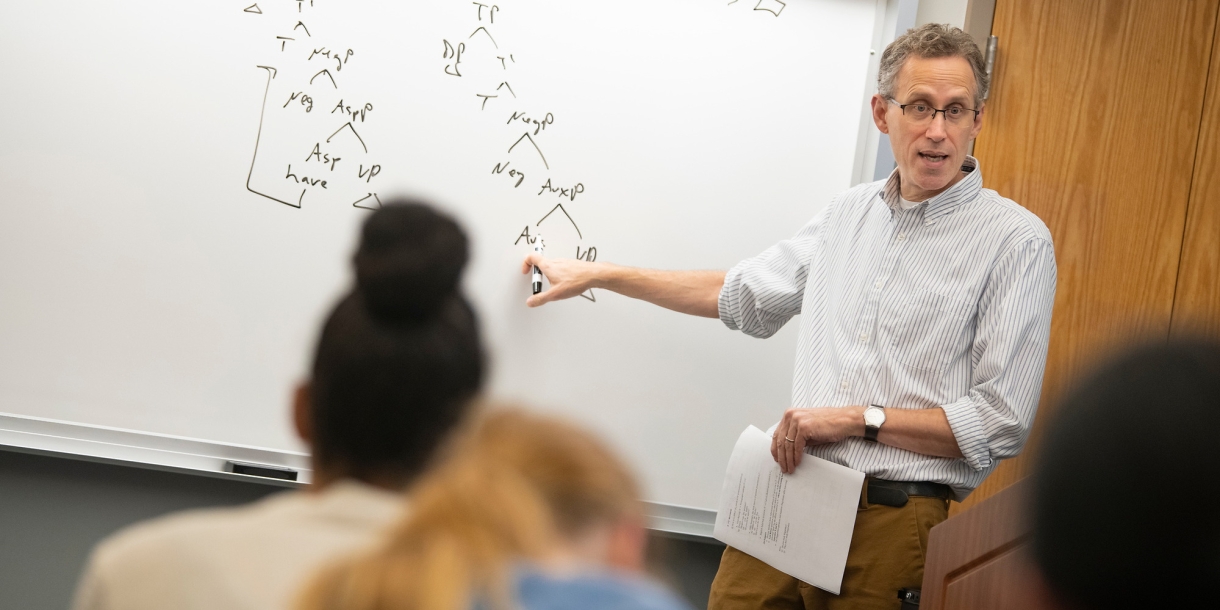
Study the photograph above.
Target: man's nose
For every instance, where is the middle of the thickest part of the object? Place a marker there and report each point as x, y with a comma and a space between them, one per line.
936, 128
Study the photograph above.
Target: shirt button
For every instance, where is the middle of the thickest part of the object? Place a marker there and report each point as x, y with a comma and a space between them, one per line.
877, 284
902, 237
844, 385
863, 338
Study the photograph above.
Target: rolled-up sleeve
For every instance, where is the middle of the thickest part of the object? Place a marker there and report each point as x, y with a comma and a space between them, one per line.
993, 420
761, 294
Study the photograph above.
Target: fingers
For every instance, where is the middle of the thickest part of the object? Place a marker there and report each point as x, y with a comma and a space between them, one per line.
789, 441
535, 259
566, 278
530, 261
792, 448
798, 447
777, 440
542, 298
785, 455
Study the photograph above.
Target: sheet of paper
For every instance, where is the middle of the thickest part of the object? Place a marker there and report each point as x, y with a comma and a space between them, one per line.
799, 523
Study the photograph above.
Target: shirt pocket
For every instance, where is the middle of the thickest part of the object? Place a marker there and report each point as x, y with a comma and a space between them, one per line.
930, 329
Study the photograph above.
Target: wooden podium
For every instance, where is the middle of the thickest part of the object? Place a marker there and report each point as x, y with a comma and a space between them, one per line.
979, 559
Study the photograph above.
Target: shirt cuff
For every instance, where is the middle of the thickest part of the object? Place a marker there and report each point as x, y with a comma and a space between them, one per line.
967, 428
729, 301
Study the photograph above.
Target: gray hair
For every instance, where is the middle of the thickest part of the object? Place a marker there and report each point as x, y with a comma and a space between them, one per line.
929, 41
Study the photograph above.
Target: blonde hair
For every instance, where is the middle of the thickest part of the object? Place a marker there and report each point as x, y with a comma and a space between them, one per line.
513, 489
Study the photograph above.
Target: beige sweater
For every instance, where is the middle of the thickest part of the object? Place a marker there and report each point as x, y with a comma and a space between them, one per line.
251, 557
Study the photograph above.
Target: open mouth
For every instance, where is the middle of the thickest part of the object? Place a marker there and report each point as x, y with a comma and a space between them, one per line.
932, 157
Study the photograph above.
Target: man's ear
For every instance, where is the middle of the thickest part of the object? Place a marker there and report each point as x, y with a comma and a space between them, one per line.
302, 412
978, 121
879, 107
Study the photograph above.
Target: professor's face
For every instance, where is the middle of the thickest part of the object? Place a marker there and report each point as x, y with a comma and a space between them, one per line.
930, 145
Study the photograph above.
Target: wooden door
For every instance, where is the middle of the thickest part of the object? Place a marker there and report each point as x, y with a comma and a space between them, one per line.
1196, 306
982, 559
1093, 124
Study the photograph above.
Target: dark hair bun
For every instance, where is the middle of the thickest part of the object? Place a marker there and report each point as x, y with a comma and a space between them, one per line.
409, 262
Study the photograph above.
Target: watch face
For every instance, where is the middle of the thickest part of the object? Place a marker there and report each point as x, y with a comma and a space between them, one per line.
874, 417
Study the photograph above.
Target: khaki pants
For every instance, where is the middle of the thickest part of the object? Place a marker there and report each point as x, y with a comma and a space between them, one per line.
887, 552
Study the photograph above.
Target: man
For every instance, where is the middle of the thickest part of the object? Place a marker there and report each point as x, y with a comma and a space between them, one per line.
396, 366
927, 303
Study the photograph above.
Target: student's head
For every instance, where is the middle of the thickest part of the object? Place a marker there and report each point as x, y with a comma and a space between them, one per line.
519, 489
399, 358
932, 67
587, 496
1127, 491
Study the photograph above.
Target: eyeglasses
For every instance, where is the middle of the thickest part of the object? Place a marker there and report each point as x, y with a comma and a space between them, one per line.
920, 113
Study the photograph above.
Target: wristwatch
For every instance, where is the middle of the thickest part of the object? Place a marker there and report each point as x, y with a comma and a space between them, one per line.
874, 417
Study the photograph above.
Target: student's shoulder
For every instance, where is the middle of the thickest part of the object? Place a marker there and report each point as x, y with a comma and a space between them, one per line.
156, 543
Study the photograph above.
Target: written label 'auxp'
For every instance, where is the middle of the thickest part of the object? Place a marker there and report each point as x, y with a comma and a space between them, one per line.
569, 192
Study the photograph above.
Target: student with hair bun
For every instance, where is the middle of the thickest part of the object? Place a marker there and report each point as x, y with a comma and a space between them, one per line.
397, 365
528, 514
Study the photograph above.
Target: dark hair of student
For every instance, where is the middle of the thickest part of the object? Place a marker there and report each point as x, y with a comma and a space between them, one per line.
399, 358
1126, 489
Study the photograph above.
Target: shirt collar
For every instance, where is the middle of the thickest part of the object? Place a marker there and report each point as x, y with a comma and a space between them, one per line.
945, 203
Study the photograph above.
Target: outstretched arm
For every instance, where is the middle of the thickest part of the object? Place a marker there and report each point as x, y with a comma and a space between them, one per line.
691, 292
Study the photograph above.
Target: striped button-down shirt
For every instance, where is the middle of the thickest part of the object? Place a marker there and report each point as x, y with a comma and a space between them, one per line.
946, 305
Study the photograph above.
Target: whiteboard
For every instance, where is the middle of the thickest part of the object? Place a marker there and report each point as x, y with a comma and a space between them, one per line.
181, 185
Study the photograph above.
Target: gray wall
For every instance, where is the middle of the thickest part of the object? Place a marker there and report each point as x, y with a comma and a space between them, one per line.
53, 510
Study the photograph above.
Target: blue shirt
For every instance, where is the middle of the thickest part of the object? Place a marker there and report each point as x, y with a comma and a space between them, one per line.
601, 590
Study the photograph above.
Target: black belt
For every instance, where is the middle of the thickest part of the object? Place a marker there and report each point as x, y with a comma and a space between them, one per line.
896, 493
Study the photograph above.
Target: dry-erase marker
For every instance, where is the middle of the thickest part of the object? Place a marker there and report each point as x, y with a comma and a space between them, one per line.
537, 271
